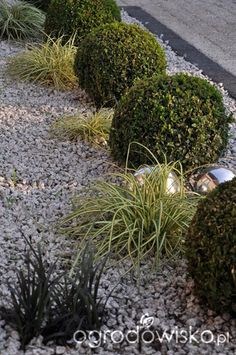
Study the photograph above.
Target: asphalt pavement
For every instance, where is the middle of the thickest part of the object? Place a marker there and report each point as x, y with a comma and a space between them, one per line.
203, 31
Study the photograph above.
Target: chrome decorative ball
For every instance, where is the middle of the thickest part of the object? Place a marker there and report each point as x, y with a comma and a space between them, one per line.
173, 184
211, 177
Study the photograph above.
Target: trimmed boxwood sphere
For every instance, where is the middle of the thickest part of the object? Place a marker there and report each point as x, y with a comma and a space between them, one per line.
211, 248
113, 56
65, 17
181, 116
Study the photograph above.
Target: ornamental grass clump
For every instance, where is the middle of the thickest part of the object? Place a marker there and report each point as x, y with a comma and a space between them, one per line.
94, 129
211, 248
20, 20
50, 64
135, 221
54, 304
77, 303
181, 116
112, 57
30, 296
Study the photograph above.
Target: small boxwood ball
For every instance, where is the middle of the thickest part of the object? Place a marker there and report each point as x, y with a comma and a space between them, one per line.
66, 17
112, 57
211, 248
181, 116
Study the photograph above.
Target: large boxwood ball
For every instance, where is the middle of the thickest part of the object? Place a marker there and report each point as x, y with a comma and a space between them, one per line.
181, 116
65, 17
112, 57
211, 248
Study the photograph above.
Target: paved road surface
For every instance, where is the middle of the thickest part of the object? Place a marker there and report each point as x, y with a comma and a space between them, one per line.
209, 25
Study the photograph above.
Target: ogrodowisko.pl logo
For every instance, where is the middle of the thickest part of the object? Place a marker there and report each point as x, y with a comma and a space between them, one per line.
146, 333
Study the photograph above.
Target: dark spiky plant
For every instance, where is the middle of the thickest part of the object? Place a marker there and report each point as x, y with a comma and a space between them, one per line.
77, 305
55, 305
30, 298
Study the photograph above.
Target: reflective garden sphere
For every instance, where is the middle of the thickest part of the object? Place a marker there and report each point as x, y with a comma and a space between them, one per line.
211, 177
173, 184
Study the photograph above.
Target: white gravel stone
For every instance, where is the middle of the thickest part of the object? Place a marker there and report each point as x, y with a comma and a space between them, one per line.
38, 177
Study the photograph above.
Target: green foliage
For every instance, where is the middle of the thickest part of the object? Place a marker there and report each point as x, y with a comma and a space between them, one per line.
181, 116
112, 57
40, 4
94, 129
53, 304
20, 20
14, 178
50, 63
211, 248
111, 7
65, 17
135, 221
77, 305
30, 298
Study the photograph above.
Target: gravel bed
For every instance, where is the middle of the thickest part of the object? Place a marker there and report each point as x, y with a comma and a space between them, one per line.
38, 177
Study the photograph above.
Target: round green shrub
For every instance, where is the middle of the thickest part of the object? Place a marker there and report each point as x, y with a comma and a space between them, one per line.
181, 116
211, 248
65, 17
113, 56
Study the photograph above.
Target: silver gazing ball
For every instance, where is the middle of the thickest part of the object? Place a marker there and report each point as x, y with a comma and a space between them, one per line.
173, 184
211, 177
